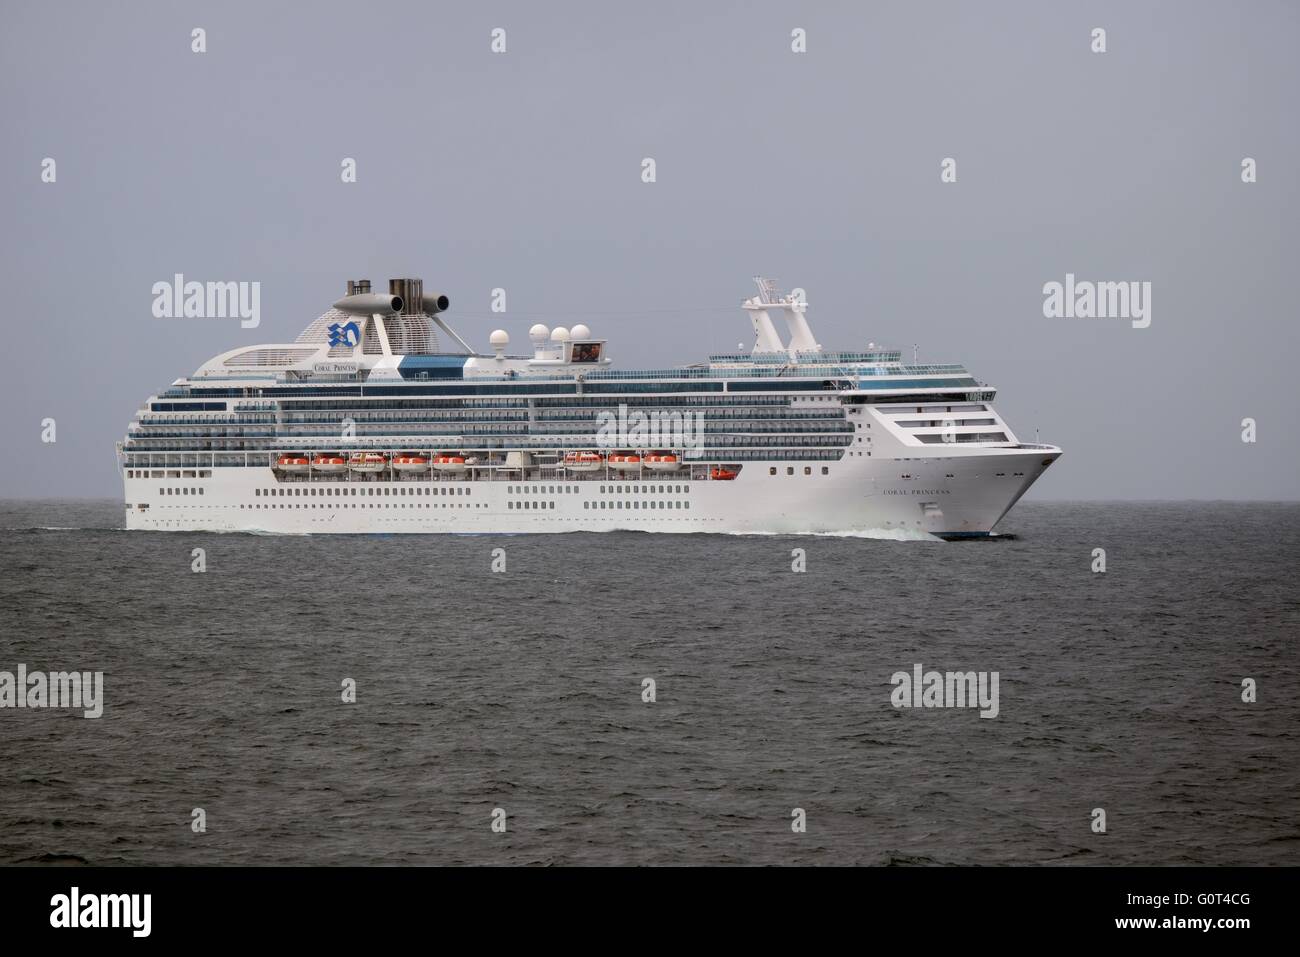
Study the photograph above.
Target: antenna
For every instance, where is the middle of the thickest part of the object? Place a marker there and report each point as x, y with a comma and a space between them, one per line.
915, 352
768, 294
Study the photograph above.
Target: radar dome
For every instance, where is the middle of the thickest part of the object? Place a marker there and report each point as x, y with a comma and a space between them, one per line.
559, 334
580, 332
538, 333
499, 337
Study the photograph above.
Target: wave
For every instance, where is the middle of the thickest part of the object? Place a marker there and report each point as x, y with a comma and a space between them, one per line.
62, 528
880, 534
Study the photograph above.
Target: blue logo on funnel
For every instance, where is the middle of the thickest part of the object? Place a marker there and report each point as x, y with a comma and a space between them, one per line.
344, 335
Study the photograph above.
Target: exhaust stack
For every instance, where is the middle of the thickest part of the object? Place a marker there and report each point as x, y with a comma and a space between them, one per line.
418, 302
411, 294
369, 304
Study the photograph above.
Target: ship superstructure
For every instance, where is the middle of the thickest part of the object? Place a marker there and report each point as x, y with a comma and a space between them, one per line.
367, 423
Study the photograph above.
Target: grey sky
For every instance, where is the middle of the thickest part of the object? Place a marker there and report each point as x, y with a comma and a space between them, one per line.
522, 170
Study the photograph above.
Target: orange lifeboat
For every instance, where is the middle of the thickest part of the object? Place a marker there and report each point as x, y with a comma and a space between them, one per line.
662, 462
329, 464
583, 461
367, 462
720, 473
293, 463
449, 463
411, 463
625, 462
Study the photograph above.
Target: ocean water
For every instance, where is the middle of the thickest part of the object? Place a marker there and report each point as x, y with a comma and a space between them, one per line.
522, 690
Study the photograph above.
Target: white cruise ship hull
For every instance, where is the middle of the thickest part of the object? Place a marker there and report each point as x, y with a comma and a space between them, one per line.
944, 495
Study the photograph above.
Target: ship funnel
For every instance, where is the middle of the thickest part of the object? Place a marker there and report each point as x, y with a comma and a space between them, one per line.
358, 286
411, 292
418, 302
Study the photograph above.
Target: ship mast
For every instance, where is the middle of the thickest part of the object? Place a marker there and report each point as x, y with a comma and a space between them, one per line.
794, 312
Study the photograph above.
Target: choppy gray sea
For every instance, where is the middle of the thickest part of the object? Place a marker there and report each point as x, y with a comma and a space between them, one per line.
523, 690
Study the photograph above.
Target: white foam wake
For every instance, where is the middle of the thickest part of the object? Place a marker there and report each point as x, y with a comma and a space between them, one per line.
885, 534
881, 534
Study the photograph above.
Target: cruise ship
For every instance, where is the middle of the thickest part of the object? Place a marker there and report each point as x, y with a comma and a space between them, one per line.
380, 417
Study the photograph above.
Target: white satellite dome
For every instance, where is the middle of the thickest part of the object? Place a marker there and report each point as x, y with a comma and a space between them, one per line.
499, 337
538, 333
580, 331
559, 334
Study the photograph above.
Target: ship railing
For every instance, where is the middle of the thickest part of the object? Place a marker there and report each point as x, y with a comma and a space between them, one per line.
694, 471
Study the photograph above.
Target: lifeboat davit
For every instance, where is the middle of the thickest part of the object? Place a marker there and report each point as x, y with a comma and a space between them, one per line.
625, 462
411, 463
330, 464
721, 473
367, 462
583, 461
293, 463
664, 462
449, 463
